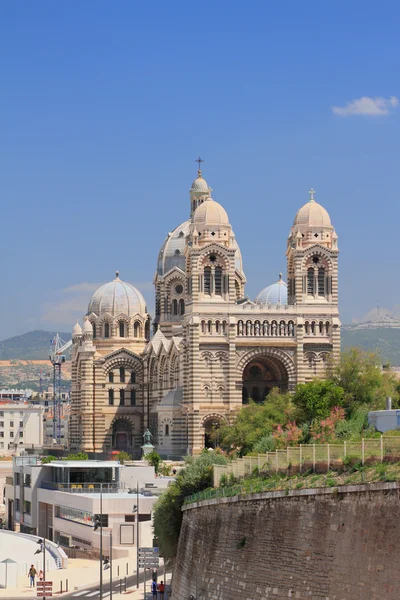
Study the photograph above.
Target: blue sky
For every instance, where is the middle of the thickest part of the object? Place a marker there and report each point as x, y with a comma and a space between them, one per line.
104, 107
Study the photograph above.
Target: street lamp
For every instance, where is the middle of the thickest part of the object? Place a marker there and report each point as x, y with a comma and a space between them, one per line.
42, 548
187, 426
98, 522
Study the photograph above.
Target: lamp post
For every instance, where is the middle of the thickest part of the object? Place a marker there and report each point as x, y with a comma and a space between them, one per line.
137, 535
98, 522
39, 551
187, 426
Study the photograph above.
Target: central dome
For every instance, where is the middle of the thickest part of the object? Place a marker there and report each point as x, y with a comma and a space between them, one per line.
117, 297
210, 213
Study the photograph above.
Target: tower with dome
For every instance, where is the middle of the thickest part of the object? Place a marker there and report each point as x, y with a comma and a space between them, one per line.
210, 349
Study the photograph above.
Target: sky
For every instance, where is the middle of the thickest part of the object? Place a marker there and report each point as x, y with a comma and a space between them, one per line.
104, 107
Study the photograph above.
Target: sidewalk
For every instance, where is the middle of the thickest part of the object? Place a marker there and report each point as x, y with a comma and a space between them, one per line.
80, 573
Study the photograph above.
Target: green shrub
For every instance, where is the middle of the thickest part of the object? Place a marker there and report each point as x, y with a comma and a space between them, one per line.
78, 456
48, 459
154, 459
123, 456
196, 476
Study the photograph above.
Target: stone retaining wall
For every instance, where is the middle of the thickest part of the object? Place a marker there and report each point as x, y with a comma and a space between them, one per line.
329, 544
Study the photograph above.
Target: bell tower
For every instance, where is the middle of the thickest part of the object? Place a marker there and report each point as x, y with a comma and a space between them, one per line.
312, 257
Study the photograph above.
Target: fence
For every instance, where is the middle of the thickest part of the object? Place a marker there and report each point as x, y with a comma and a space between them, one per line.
321, 457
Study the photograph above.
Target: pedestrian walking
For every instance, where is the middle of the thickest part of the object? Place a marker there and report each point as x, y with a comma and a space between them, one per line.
154, 589
40, 575
161, 590
32, 574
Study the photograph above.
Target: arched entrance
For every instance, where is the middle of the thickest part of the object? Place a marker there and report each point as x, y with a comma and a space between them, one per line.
260, 375
122, 435
211, 426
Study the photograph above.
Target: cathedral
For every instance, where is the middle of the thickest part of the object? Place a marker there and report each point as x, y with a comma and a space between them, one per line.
210, 348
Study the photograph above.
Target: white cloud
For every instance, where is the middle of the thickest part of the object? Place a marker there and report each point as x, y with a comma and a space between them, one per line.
366, 106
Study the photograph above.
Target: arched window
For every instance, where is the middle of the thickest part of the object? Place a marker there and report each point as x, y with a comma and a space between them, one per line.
111, 397
94, 330
166, 431
216, 326
321, 282
121, 329
321, 328
310, 281
207, 280
133, 377
182, 306
133, 397
122, 397
111, 377
174, 307
122, 374
223, 327
136, 329
147, 330
203, 327
209, 326
106, 330
313, 327
327, 327
218, 281
307, 327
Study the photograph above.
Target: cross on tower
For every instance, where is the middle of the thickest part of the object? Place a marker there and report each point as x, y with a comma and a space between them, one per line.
312, 192
199, 161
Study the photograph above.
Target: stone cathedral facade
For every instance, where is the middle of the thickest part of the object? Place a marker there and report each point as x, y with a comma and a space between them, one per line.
212, 348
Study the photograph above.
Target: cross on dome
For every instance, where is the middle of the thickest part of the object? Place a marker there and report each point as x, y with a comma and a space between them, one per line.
199, 161
312, 192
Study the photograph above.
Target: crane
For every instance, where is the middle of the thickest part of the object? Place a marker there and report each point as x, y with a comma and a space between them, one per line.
57, 358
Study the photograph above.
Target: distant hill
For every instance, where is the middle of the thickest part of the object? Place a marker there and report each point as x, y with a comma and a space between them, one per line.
384, 339
33, 345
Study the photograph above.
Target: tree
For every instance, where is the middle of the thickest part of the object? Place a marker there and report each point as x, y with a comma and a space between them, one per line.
154, 459
255, 421
361, 377
195, 477
123, 456
315, 400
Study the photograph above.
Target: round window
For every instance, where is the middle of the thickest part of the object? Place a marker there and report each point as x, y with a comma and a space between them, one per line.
179, 289
315, 259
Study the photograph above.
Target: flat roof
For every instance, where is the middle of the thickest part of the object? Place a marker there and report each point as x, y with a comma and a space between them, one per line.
115, 495
84, 464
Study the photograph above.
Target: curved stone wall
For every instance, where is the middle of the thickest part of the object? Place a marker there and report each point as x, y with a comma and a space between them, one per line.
327, 544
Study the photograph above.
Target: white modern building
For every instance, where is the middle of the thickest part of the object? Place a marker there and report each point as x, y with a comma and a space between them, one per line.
61, 501
21, 425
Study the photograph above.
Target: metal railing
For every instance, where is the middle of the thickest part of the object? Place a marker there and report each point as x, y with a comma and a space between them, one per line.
83, 488
311, 456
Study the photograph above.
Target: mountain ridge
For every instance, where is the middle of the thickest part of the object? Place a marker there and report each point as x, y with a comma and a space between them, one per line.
34, 345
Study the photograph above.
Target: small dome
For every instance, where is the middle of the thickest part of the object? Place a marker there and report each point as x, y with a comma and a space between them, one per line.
274, 294
312, 214
200, 185
210, 213
77, 329
117, 297
172, 253
87, 326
